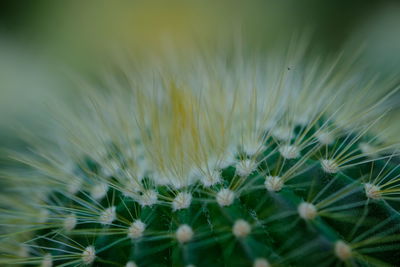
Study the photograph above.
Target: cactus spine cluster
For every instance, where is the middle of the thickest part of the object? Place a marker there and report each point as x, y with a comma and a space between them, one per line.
242, 161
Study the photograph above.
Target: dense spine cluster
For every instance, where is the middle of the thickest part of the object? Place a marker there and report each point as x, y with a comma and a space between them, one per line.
214, 163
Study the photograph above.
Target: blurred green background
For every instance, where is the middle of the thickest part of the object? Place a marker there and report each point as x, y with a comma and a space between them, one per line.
43, 41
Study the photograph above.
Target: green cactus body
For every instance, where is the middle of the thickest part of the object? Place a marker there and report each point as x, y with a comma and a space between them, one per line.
251, 165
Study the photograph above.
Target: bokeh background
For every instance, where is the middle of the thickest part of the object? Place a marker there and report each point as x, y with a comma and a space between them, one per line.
43, 43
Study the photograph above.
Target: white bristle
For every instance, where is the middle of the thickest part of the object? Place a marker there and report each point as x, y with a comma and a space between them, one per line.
325, 138
372, 191
289, 151
74, 186
184, 233
241, 228
99, 191
273, 183
245, 167
136, 229
108, 216
47, 261
148, 198
302, 120
225, 197
342, 250
70, 222
89, 255
307, 211
130, 264
228, 159
182, 201
282, 133
329, 166
253, 148
211, 178
261, 262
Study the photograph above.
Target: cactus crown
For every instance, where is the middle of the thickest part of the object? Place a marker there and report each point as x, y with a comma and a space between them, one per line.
239, 162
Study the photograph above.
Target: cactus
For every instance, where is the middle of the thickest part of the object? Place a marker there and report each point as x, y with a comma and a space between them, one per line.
263, 160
